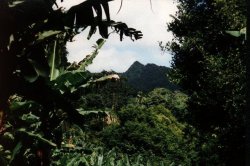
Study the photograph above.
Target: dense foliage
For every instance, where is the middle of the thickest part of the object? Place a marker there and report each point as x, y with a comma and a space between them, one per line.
209, 64
147, 126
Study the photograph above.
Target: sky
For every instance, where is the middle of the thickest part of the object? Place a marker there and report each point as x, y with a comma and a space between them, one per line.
118, 56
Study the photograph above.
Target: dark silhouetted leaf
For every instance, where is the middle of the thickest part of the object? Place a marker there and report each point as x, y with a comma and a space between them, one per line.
37, 137
16, 151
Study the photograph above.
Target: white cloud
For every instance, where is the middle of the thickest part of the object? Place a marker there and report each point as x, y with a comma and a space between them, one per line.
111, 59
136, 14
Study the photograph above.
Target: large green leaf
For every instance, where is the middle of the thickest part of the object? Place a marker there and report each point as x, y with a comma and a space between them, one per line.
100, 80
237, 33
234, 33
89, 112
54, 72
21, 105
89, 58
14, 3
70, 80
30, 118
8, 135
16, 151
36, 137
47, 34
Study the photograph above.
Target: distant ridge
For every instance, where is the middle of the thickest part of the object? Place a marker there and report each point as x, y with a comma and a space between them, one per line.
148, 77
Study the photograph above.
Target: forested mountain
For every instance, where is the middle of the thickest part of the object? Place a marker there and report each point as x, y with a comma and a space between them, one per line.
147, 77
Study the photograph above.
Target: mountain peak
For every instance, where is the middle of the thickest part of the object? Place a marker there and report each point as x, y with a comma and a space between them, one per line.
136, 67
137, 64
